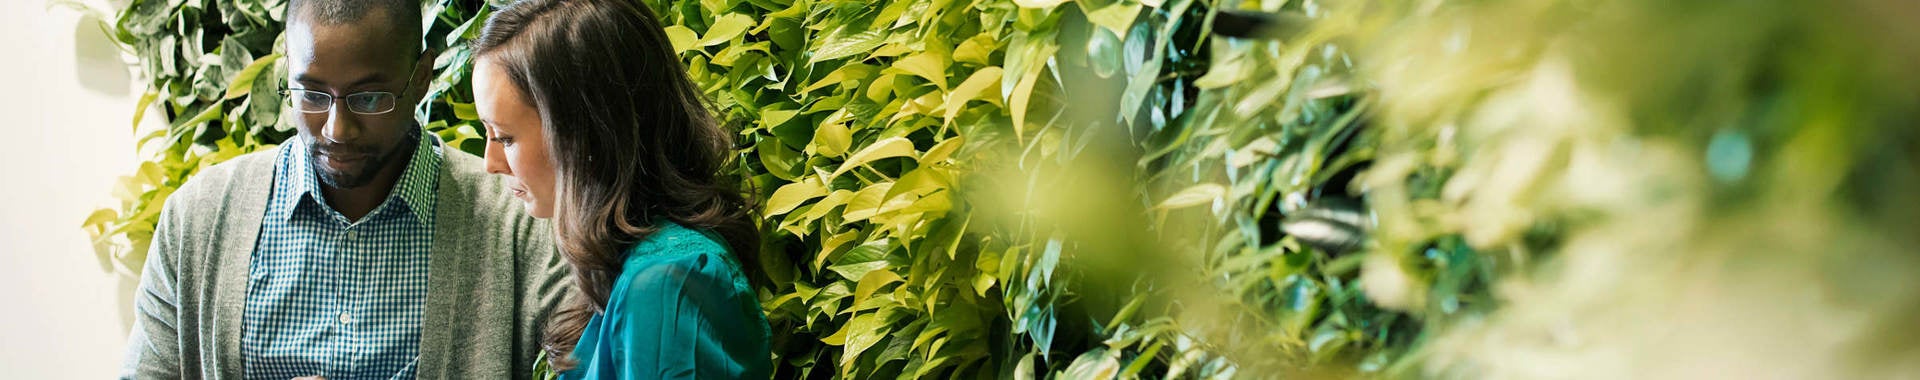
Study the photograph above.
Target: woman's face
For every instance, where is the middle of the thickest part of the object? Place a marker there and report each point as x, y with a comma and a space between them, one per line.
516, 143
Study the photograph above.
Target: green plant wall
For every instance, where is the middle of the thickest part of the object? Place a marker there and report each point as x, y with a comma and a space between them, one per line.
1219, 189
862, 126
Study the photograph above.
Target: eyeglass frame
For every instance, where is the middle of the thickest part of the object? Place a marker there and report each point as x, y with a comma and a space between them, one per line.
333, 101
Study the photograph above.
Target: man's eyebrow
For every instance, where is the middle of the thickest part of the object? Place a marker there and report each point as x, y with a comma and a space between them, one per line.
304, 79
370, 79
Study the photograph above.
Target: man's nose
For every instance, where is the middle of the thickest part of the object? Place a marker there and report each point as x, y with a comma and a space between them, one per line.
341, 125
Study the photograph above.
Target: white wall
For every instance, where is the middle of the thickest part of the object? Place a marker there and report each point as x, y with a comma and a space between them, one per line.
65, 104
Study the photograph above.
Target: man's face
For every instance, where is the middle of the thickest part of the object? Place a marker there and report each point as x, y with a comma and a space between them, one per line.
348, 149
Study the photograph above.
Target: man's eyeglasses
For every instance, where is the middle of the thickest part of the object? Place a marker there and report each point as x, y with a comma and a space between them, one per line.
364, 103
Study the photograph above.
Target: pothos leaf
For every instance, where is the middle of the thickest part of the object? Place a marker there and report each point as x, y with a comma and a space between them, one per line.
886, 148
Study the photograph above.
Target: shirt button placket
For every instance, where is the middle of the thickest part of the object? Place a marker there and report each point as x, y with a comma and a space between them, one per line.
343, 301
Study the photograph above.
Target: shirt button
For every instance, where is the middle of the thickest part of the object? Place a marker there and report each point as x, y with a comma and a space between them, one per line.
353, 234
345, 319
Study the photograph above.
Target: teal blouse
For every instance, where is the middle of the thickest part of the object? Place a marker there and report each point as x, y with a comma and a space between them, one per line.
681, 309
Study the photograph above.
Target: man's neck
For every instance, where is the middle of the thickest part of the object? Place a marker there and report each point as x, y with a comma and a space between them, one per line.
356, 203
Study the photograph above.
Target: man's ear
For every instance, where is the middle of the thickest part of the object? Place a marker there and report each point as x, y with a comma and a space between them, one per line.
423, 71
421, 83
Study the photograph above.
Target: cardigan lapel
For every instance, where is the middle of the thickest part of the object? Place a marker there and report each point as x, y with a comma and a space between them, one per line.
449, 269
239, 230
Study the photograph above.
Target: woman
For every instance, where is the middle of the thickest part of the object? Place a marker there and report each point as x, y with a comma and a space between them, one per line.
590, 113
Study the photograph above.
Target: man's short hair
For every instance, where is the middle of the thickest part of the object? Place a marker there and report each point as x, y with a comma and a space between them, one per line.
402, 15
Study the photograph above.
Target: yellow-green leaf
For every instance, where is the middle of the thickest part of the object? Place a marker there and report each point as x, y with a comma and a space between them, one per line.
889, 15
726, 28
774, 117
1116, 17
1195, 195
861, 332
937, 203
242, 83
857, 270
1017, 102
918, 182
830, 244
733, 53
943, 150
209, 114
844, 73
140, 109
977, 50
889, 147
831, 139
872, 282
464, 111
1230, 70
929, 65
1038, 3
100, 217
840, 46
866, 203
839, 338
681, 37
793, 194
974, 87
820, 209
782, 162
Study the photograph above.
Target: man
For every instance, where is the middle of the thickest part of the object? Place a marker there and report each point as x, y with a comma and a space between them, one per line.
362, 248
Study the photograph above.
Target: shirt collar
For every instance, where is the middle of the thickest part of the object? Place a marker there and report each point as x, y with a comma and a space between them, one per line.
415, 188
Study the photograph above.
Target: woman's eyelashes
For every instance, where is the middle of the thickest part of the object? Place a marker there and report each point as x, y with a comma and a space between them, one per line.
501, 138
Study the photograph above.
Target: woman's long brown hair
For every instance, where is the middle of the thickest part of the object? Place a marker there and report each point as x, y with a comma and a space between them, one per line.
631, 138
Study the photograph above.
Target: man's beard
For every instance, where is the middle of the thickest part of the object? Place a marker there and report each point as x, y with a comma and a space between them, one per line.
366, 171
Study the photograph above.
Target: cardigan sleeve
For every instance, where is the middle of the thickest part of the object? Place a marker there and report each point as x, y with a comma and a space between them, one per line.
545, 284
153, 345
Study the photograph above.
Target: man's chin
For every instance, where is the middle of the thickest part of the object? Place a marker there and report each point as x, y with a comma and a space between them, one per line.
335, 179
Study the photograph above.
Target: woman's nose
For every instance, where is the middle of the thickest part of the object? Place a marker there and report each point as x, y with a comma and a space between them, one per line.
496, 158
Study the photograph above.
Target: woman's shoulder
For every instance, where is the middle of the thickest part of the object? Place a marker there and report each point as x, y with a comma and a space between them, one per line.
681, 259
675, 242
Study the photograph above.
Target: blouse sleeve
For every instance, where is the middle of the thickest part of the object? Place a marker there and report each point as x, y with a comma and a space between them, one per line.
688, 316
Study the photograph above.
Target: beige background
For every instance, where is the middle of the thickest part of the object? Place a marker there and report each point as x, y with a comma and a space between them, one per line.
67, 100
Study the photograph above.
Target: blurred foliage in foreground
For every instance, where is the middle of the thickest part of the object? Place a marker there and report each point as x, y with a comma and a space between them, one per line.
1179, 189
1691, 188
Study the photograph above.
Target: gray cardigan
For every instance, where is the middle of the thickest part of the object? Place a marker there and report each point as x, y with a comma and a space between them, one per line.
493, 275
